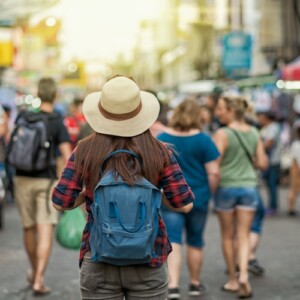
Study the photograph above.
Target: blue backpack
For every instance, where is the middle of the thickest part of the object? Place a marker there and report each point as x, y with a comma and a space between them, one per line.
125, 217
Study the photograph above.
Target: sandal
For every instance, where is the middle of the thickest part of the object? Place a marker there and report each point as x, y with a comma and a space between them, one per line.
255, 268
245, 291
225, 289
41, 292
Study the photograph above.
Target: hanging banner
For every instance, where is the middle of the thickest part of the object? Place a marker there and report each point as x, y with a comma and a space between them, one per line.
237, 52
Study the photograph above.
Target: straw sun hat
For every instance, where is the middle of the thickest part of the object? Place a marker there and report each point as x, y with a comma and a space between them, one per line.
120, 109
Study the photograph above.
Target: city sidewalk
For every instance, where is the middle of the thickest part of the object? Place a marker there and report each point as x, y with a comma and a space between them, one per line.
279, 253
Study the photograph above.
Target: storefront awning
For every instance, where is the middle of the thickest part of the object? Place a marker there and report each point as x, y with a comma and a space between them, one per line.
256, 81
291, 71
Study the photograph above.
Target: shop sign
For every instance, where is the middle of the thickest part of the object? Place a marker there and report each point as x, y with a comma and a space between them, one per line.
236, 55
6, 47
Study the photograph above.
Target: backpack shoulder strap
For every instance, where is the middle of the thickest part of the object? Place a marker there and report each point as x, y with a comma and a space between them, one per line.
22, 115
108, 156
249, 156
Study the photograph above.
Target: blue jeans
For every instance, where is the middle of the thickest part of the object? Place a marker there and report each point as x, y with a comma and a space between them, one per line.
271, 177
257, 222
192, 223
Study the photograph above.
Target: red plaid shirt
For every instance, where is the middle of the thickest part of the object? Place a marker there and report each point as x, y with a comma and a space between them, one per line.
175, 188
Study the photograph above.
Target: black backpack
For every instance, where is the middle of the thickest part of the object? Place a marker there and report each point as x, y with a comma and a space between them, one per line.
31, 148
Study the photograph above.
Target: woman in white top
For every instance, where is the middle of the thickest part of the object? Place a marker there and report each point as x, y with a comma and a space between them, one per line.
294, 172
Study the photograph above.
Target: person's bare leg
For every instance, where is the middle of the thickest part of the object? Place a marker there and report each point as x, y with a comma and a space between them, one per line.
194, 261
174, 265
30, 243
227, 234
254, 239
44, 247
291, 200
244, 221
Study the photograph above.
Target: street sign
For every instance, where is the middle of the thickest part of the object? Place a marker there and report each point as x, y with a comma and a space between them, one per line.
237, 52
6, 22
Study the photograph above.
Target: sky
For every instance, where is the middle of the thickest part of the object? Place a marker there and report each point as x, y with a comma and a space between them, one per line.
94, 29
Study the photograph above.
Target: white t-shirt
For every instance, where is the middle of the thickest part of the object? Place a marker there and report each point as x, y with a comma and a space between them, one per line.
272, 132
295, 151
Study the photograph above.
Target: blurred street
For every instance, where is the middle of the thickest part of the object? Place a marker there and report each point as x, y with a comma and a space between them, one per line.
236, 62
278, 253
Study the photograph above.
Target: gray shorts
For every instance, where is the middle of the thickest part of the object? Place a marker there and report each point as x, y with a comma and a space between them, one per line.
105, 281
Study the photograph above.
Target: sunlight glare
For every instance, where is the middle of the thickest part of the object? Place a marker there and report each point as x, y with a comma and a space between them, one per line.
94, 29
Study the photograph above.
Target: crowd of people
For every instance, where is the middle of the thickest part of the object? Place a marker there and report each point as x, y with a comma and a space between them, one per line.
218, 152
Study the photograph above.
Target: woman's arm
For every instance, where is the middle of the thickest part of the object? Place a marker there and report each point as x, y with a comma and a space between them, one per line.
220, 140
78, 201
213, 173
178, 196
68, 192
261, 158
184, 209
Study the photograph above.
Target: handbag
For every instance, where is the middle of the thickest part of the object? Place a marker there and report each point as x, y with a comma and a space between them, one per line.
70, 228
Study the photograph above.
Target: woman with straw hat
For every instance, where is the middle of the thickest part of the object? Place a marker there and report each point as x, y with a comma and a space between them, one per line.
121, 116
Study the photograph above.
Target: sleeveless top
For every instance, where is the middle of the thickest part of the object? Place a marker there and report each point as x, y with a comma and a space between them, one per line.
236, 169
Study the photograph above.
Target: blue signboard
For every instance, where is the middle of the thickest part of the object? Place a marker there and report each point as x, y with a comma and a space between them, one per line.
6, 23
237, 52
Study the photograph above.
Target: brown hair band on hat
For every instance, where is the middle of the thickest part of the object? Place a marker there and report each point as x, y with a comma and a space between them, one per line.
119, 117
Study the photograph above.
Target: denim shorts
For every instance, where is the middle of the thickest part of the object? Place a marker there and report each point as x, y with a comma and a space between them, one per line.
258, 220
192, 224
230, 198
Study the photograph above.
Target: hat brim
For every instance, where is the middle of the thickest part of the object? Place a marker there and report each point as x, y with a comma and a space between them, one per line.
126, 128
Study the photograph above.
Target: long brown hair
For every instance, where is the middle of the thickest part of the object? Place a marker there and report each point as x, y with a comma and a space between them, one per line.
91, 152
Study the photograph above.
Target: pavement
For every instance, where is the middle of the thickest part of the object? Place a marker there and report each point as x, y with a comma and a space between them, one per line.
279, 253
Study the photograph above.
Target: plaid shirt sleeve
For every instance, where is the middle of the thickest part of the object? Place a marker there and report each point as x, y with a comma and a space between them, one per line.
175, 188
68, 187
